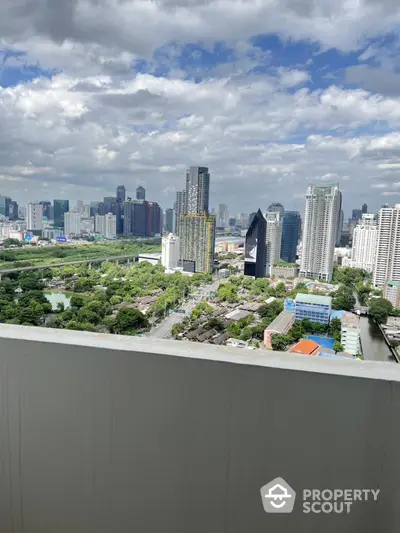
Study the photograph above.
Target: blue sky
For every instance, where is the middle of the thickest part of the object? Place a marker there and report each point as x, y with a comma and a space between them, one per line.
276, 94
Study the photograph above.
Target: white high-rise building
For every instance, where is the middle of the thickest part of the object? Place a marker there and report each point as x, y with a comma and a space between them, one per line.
170, 251
364, 243
350, 333
106, 225
34, 216
273, 239
72, 223
387, 259
320, 229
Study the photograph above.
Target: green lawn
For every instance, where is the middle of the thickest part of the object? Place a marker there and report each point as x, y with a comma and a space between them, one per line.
37, 256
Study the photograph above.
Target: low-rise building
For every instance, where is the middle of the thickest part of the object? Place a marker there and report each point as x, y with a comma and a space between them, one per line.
350, 333
285, 271
314, 307
306, 347
282, 324
391, 292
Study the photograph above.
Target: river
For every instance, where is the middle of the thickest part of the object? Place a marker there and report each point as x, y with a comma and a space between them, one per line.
373, 344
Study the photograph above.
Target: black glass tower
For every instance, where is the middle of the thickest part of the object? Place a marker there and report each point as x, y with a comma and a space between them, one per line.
290, 235
255, 247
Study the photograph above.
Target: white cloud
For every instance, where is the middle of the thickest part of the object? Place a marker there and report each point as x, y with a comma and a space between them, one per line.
97, 122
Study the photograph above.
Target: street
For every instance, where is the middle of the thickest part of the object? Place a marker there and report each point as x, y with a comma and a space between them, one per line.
163, 329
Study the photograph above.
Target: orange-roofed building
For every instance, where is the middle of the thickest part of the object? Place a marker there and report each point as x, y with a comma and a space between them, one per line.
306, 347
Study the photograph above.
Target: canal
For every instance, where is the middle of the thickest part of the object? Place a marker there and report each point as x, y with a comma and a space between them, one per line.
373, 344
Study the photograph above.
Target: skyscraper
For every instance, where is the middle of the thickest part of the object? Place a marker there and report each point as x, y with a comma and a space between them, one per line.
72, 223
223, 216
34, 217
340, 228
140, 193
290, 235
60, 208
196, 227
47, 209
180, 208
153, 219
255, 247
128, 217
197, 242
364, 209
169, 220
364, 243
121, 193
5, 203
197, 190
13, 211
251, 218
276, 207
273, 239
340, 221
106, 225
387, 259
320, 231
356, 214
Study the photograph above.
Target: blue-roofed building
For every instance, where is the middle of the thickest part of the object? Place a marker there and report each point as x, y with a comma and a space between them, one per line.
336, 313
289, 305
314, 307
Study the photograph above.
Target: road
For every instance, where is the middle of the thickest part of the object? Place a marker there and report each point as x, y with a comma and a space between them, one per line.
163, 330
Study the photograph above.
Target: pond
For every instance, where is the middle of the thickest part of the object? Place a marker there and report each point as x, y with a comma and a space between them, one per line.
55, 297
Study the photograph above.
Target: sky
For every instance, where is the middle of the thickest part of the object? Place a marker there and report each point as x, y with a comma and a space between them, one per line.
271, 95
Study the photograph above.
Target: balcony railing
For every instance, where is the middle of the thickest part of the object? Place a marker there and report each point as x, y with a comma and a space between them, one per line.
108, 434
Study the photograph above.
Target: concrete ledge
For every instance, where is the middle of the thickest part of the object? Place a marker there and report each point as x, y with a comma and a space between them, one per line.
262, 358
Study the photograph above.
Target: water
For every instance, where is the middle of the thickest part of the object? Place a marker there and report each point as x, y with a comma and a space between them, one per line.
55, 297
373, 344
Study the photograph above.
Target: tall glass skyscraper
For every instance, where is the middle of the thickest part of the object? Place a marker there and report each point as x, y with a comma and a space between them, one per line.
60, 208
290, 235
255, 247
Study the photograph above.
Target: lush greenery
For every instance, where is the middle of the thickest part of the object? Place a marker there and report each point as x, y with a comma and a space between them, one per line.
33, 255
348, 276
344, 298
304, 327
380, 309
106, 299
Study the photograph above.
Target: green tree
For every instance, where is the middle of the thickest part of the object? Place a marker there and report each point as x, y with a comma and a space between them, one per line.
30, 283
344, 299
114, 300
280, 341
60, 307
76, 301
215, 323
380, 309
271, 310
128, 321
280, 289
338, 347
11, 242
177, 329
